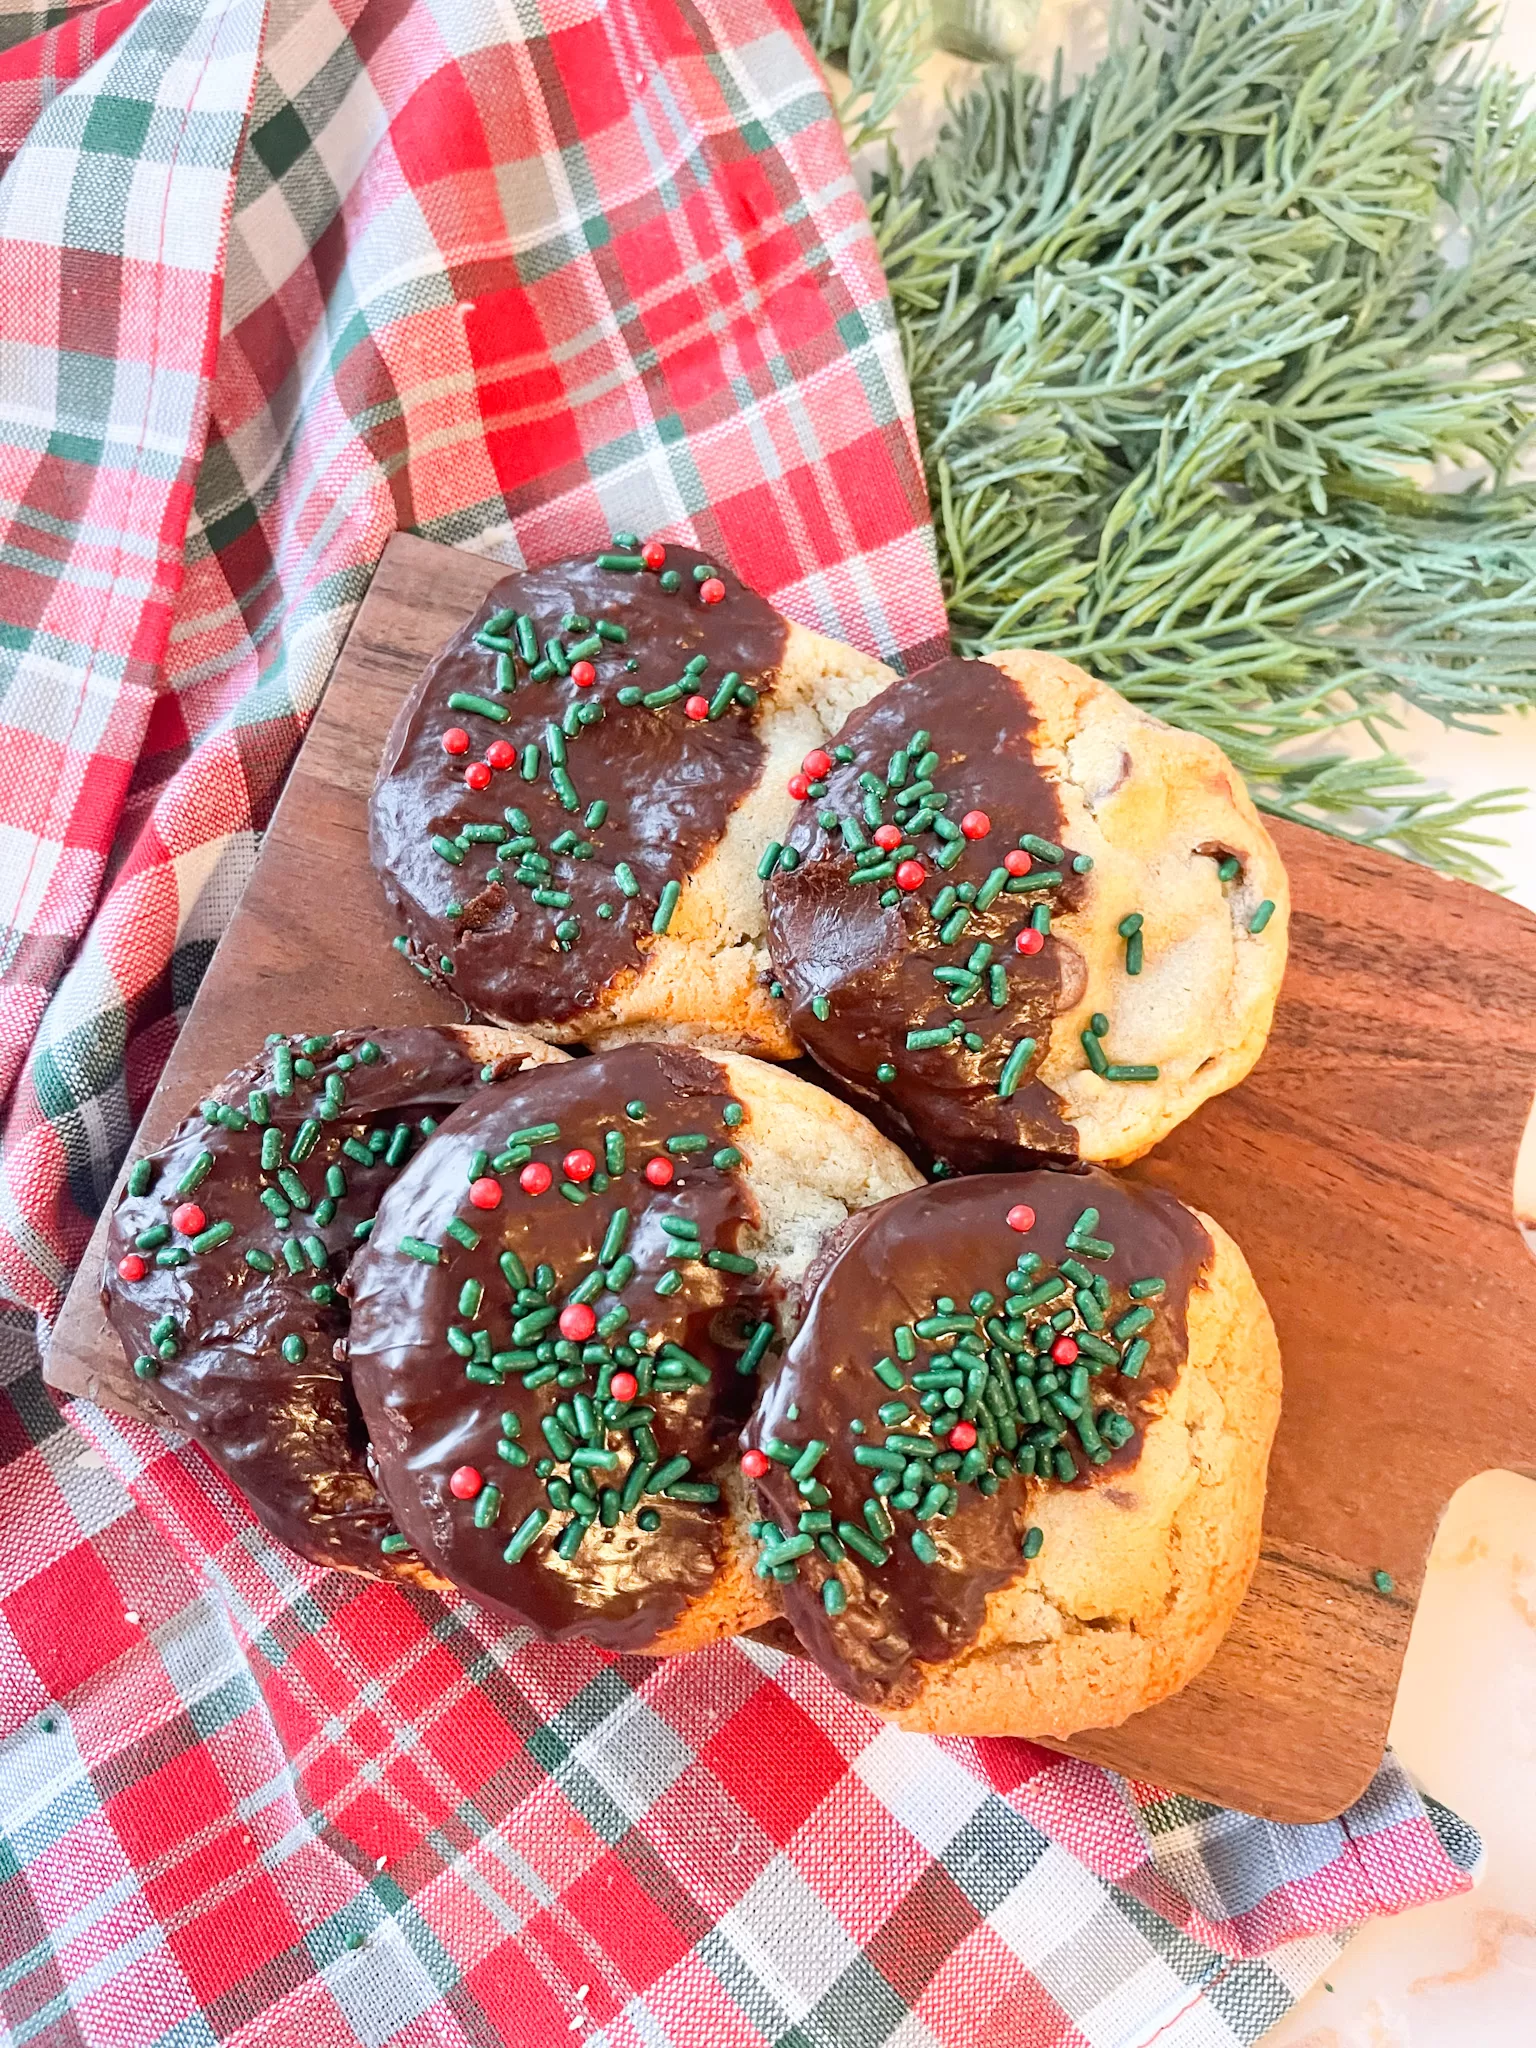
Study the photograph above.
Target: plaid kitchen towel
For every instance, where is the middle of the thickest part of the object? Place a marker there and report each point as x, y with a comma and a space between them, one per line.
514, 273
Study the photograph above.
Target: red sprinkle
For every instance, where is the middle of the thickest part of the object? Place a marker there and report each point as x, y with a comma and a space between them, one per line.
975, 824
501, 753
579, 1164
911, 874
478, 774
577, 1322
486, 1193
818, 762
799, 787
754, 1463
1064, 1350
1017, 861
654, 555
188, 1219
697, 707
623, 1386
131, 1268
1029, 940
465, 1482
535, 1178
887, 836
1021, 1217
583, 674
455, 740
659, 1172
711, 590
963, 1436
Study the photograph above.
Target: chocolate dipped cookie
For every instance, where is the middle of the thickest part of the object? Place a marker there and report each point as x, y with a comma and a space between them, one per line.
1010, 1472
1020, 919
229, 1252
559, 1322
573, 800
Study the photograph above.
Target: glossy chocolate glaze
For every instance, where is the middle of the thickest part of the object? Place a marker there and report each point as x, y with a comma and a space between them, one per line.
670, 783
625, 1584
288, 1435
873, 963
890, 1267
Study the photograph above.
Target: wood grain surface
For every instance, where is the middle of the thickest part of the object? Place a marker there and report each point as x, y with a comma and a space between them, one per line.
1366, 1169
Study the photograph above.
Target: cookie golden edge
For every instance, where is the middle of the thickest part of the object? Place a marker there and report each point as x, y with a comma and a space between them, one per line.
1139, 796
1140, 1576
705, 981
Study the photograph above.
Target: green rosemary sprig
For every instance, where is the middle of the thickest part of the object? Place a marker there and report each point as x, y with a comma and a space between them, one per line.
1187, 344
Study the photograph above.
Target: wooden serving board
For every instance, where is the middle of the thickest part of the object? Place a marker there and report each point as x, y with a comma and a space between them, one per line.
1366, 1168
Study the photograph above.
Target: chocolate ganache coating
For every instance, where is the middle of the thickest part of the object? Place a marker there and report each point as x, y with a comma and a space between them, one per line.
901, 962
968, 1344
244, 1226
580, 1223
528, 895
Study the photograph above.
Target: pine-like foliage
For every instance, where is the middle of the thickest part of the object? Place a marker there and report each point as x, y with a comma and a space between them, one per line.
1186, 343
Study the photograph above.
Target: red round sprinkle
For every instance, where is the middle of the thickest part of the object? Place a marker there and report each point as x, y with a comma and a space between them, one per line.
818, 762
659, 1172
131, 1268
478, 774
535, 1178
1017, 861
1021, 1217
911, 874
577, 1321
455, 740
711, 590
754, 1463
799, 787
501, 753
1064, 1350
486, 1193
623, 1386
654, 555
465, 1482
1029, 940
975, 824
697, 707
579, 1164
583, 674
887, 836
188, 1219
963, 1436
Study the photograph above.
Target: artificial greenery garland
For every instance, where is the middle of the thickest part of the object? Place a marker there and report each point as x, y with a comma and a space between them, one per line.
1186, 342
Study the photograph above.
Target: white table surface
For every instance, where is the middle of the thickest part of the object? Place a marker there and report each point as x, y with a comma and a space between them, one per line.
1461, 1974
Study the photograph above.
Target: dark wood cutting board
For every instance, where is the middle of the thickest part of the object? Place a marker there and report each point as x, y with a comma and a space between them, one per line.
1366, 1168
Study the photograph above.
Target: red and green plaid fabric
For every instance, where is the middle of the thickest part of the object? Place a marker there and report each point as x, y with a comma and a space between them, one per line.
515, 277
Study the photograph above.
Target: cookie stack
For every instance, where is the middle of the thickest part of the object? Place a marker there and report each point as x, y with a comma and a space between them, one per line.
663, 1343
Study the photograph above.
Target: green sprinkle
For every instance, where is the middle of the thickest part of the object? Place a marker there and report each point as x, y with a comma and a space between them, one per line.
665, 908
730, 1262
391, 1547
1261, 916
141, 1176
1096, 1055
525, 1537
770, 859
1034, 1539
1383, 1582
821, 1009
623, 874
924, 1549
481, 707
631, 565
726, 1158
216, 1234
295, 1350
1121, 1073
862, 1544
1229, 869
923, 1041
417, 1248
688, 1141
885, 1072
833, 1597
669, 1283
1013, 1067
260, 1261
145, 1367
195, 1174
